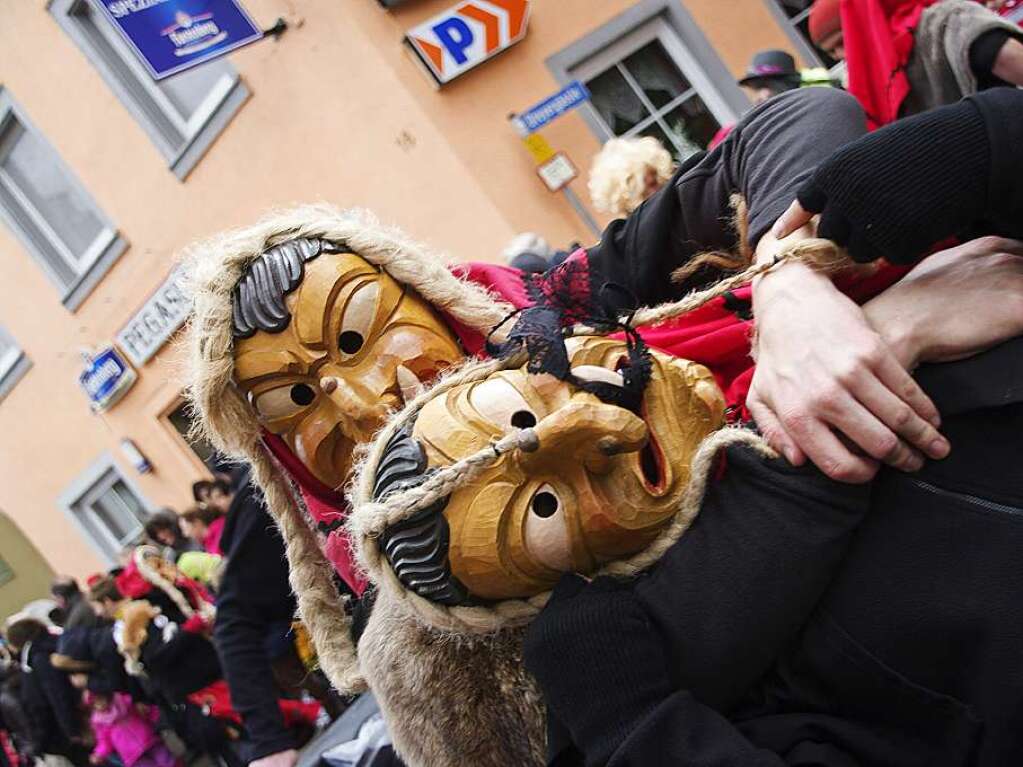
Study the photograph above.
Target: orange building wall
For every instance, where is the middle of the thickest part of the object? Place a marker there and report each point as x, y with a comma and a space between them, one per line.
338, 112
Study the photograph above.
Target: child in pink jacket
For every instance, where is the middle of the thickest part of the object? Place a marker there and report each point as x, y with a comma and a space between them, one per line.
120, 727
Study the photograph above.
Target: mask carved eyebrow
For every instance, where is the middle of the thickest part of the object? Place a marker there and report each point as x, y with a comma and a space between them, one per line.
258, 297
416, 548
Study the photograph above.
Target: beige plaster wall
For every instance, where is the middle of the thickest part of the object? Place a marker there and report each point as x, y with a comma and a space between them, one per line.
338, 112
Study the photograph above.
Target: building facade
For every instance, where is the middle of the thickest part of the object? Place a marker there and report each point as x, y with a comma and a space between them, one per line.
106, 174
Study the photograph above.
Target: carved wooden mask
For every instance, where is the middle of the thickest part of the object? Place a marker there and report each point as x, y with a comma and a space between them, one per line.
351, 345
602, 485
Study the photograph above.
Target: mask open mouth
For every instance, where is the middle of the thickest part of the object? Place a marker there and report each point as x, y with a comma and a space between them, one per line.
651, 461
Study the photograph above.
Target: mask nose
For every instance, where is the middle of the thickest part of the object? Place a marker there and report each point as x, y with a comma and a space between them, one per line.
592, 432
362, 415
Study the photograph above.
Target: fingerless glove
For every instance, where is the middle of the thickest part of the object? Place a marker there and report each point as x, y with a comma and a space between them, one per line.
896, 192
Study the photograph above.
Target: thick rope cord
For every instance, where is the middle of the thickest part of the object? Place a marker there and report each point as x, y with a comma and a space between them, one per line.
400, 506
370, 518
822, 254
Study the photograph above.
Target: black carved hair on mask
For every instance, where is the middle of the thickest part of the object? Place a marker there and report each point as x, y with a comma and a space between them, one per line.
258, 297
417, 548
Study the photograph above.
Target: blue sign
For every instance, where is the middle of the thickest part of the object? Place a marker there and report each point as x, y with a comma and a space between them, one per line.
538, 115
172, 35
106, 378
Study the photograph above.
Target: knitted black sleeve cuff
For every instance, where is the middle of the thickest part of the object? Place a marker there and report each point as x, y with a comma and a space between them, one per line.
906, 186
1002, 113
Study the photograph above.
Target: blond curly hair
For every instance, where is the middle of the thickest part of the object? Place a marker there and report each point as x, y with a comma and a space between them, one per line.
618, 174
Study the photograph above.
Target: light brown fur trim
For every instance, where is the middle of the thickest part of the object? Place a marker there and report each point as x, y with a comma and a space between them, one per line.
452, 701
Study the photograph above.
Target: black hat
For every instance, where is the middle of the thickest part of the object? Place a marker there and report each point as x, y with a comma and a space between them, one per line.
771, 65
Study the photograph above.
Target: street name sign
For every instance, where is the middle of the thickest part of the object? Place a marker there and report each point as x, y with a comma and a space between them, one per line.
551, 108
105, 379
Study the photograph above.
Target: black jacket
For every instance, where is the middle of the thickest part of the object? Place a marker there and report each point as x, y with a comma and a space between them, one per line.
809, 623
178, 662
51, 703
254, 594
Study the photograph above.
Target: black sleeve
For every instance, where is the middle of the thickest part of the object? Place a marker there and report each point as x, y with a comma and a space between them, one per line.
684, 731
1002, 110
254, 593
61, 696
765, 159
742, 581
949, 172
239, 640
983, 52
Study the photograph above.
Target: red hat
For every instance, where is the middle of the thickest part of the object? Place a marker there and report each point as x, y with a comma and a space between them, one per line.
825, 20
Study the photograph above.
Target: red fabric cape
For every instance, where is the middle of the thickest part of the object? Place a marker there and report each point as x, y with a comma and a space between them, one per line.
712, 335
878, 36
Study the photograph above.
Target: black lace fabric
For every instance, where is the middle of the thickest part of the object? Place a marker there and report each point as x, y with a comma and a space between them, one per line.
562, 298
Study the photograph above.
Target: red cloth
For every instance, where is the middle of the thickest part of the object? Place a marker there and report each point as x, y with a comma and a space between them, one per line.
878, 37
825, 20
211, 541
130, 582
712, 335
215, 700
721, 135
133, 585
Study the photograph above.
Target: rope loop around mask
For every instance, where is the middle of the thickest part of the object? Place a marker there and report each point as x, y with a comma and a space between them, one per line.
370, 518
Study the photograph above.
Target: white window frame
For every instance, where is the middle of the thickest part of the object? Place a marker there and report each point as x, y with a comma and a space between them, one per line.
35, 232
76, 502
803, 46
13, 362
182, 143
668, 22
699, 84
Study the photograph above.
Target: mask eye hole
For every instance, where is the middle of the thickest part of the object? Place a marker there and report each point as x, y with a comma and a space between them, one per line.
545, 504
302, 394
523, 419
357, 320
350, 342
284, 401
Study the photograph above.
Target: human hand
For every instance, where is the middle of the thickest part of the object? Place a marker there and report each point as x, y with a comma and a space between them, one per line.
287, 758
825, 379
96, 759
921, 317
601, 665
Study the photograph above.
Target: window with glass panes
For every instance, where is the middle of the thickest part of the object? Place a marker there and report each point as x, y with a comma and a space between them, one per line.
6, 572
107, 508
55, 217
183, 419
647, 84
174, 111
